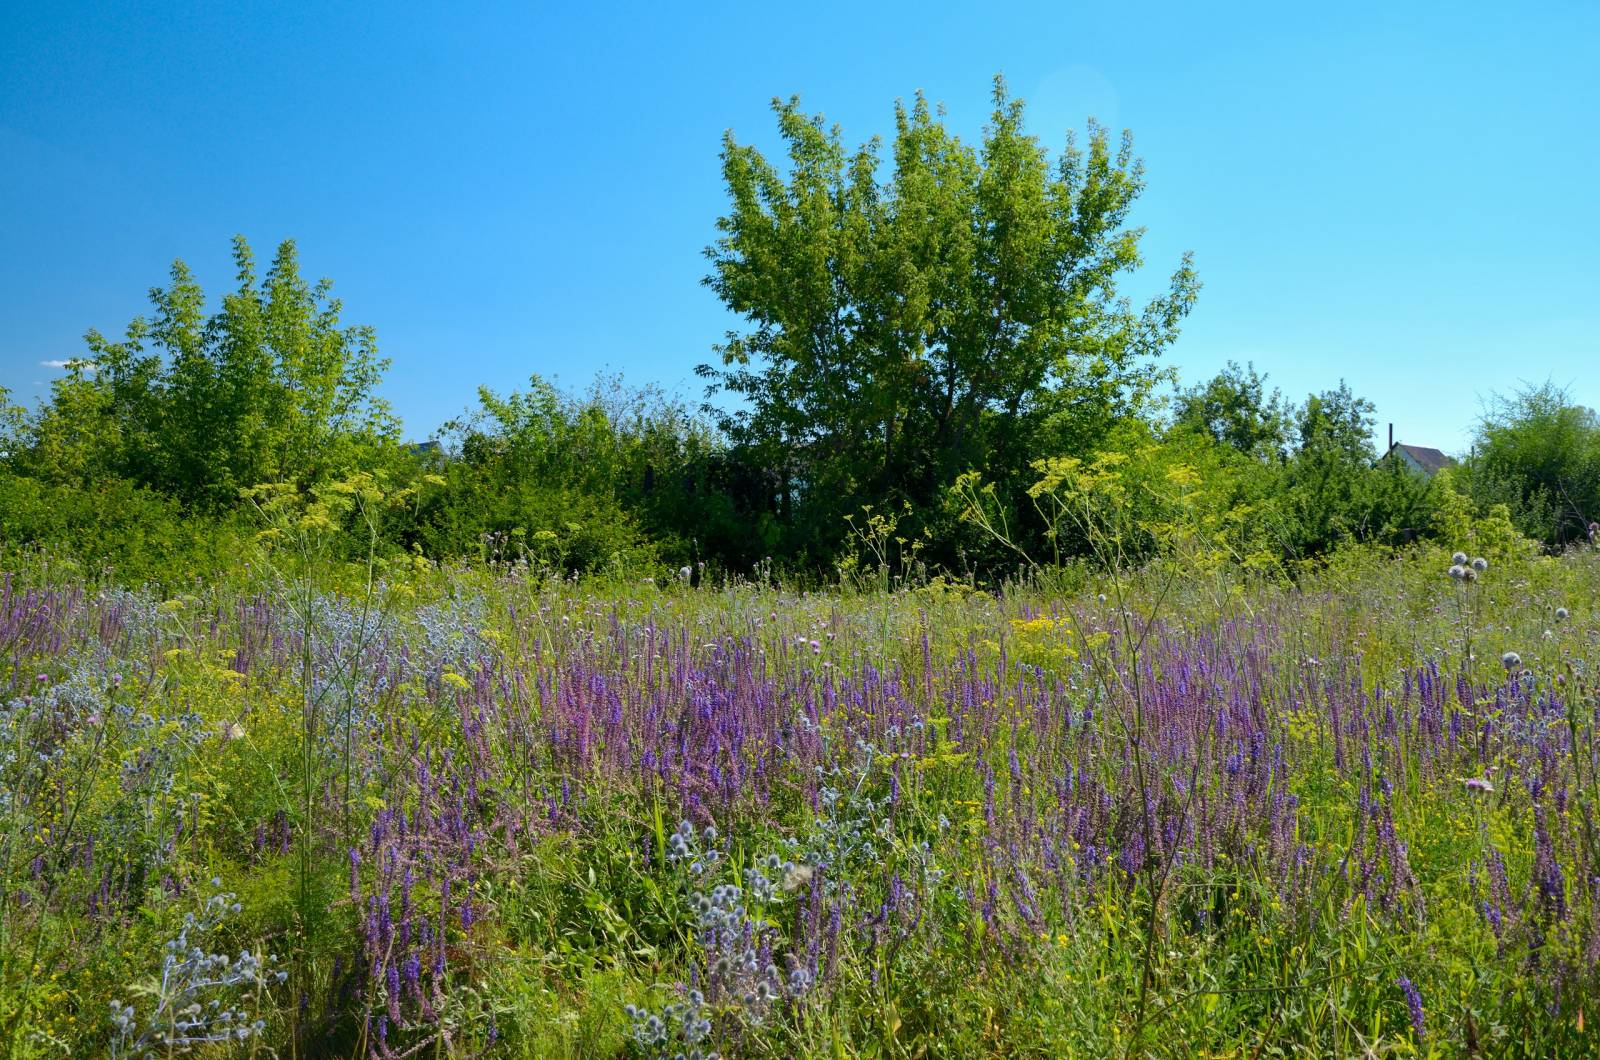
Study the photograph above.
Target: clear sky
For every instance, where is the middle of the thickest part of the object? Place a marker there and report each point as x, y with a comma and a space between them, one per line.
1400, 195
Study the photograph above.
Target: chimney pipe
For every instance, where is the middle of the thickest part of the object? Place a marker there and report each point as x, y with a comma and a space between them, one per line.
1391, 436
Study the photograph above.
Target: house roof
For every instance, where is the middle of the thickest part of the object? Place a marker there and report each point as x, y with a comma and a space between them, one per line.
1428, 459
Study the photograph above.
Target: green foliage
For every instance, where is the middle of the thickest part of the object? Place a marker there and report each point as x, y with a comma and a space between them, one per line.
929, 325
1234, 408
1324, 481
1143, 498
117, 531
1539, 455
271, 387
1458, 524
580, 483
963, 313
1259, 506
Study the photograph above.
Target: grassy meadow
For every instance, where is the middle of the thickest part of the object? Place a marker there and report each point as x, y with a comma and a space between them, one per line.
319, 809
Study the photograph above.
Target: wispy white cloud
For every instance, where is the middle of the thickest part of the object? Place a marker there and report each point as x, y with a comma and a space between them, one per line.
70, 362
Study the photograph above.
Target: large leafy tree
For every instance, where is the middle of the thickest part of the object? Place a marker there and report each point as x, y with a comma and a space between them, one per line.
271, 387
916, 315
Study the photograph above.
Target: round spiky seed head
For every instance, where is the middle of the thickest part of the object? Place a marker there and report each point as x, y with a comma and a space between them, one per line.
1511, 660
1459, 558
1480, 564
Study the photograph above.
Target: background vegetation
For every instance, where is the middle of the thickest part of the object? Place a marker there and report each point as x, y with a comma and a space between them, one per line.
916, 311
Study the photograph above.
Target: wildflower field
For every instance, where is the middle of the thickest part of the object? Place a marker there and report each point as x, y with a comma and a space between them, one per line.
419, 811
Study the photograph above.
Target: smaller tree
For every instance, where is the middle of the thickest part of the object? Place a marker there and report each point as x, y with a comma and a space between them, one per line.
580, 481
1539, 454
1325, 477
1234, 408
1338, 424
270, 388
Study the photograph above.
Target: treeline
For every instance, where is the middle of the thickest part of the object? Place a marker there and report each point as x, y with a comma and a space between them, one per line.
931, 328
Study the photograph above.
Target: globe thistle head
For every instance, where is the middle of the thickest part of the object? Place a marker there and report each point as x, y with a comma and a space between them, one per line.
1469, 573
1561, 614
1459, 559
1511, 660
1458, 572
1480, 564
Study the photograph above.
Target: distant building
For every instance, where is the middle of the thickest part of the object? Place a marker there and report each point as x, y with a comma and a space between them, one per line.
1417, 458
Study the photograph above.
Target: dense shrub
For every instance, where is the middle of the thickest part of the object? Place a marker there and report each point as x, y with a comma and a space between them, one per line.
119, 530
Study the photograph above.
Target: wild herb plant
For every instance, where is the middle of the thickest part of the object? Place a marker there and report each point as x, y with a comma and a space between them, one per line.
202, 997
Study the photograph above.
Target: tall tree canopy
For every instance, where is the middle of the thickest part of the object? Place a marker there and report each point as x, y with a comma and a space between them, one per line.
961, 313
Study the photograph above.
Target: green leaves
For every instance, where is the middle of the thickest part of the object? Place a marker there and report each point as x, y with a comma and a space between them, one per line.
913, 317
271, 387
1539, 455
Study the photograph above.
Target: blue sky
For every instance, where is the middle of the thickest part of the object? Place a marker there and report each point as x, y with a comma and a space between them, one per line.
1400, 195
